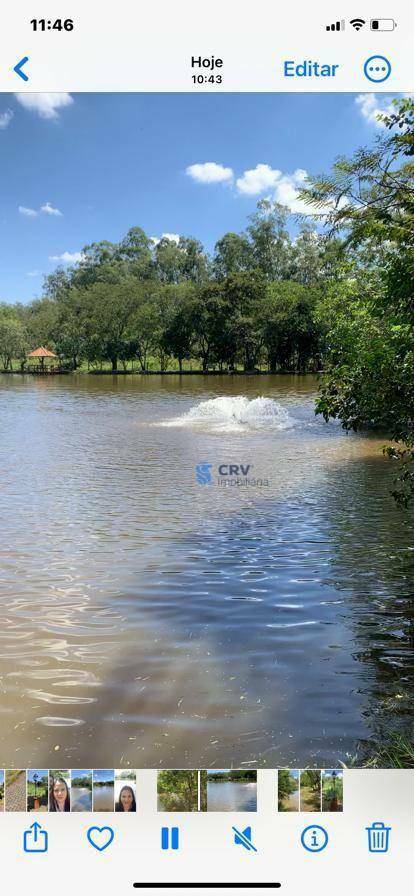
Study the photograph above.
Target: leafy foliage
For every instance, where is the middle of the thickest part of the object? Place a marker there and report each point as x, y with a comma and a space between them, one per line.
311, 778
286, 785
178, 791
369, 201
169, 301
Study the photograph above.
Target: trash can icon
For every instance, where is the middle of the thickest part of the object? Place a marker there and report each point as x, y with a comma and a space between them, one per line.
378, 837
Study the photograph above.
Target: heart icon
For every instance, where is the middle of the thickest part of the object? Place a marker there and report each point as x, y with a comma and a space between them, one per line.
100, 838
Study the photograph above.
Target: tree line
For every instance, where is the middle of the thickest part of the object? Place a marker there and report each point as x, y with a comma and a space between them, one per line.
233, 775
338, 295
257, 302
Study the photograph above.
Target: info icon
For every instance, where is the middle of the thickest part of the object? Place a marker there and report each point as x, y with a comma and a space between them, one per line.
314, 838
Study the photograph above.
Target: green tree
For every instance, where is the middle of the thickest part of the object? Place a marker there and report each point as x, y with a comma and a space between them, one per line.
41, 321
13, 340
69, 334
178, 790
210, 317
195, 262
168, 261
290, 331
286, 785
369, 199
311, 778
308, 255
108, 313
233, 255
270, 241
178, 334
136, 251
144, 329
243, 296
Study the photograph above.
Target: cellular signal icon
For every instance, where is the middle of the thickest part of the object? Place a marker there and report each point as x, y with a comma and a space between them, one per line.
336, 26
357, 23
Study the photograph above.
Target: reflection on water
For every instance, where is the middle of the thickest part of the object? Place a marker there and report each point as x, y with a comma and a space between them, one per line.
103, 798
148, 620
81, 799
227, 796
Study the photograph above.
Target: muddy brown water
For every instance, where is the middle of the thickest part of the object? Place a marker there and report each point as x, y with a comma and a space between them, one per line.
147, 619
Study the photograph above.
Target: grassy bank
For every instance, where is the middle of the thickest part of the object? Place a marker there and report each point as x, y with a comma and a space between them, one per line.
396, 752
152, 370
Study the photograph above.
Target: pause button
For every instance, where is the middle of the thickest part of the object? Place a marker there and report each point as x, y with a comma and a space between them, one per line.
169, 838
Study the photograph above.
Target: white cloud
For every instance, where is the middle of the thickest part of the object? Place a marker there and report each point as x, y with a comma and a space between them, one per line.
257, 180
5, 119
48, 209
283, 187
263, 179
68, 257
27, 212
371, 106
287, 188
174, 237
47, 105
287, 193
33, 273
209, 173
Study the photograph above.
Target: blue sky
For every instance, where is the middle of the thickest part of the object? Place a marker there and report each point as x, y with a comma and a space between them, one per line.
103, 774
40, 772
81, 168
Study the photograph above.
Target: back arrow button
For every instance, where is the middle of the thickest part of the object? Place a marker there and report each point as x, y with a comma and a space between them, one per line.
18, 68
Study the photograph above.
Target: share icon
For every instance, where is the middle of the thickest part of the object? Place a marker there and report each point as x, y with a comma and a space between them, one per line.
244, 838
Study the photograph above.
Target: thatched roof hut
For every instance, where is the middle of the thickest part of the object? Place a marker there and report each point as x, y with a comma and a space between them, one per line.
41, 353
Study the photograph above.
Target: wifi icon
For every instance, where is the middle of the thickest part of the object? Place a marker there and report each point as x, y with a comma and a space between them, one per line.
357, 23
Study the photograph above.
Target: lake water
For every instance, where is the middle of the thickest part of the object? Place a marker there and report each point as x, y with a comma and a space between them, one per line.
148, 620
228, 796
103, 799
81, 799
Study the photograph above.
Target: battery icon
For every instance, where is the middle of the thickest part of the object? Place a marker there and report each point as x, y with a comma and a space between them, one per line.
383, 24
